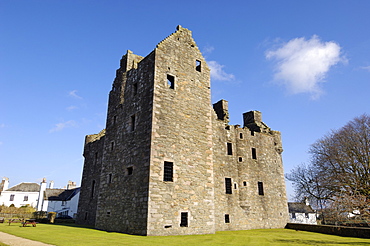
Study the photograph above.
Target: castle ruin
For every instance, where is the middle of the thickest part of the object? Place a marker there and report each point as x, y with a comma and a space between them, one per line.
168, 163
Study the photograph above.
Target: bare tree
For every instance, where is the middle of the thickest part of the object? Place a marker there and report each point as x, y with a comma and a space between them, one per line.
339, 172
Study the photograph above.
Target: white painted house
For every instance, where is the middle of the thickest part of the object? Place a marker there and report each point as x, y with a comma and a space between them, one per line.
20, 195
62, 201
301, 212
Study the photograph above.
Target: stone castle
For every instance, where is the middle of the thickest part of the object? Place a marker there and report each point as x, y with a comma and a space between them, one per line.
168, 163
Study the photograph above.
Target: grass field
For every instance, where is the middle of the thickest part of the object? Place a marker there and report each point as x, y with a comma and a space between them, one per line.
72, 235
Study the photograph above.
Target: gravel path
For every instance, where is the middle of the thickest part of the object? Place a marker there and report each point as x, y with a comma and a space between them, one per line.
18, 241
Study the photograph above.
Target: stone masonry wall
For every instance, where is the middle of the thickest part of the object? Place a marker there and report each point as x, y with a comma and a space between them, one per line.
123, 200
182, 134
93, 153
245, 208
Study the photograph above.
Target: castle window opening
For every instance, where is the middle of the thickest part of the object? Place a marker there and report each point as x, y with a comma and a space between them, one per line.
92, 189
244, 183
168, 171
167, 226
229, 148
135, 89
184, 219
114, 119
241, 135
260, 189
171, 81
227, 218
132, 123
240, 159
86, 214
108, 213
235, 187
254, 154
198, 66
252, 133
109, 178
228, 186
130, 170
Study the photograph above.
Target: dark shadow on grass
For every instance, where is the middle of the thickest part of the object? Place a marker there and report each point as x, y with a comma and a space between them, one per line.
318, 242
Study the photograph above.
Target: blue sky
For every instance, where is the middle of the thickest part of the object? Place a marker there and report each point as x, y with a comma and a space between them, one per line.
304, 64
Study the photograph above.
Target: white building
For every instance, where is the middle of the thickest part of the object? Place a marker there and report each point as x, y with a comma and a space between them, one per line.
62, 201
20, 195
301, 212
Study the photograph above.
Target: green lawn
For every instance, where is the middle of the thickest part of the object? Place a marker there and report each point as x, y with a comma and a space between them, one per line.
72, 235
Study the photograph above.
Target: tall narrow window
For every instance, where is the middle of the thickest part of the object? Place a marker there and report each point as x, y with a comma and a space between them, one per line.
260, 189
96, 157
228, 186
241, 135
229, 148
198, 66
227, 218
109, 178
134, 91
11, 198
252, 133
86, 215
112, 146
171, 81
114, 119
92, 189
132, 123
184, 219
168, 171
254, 153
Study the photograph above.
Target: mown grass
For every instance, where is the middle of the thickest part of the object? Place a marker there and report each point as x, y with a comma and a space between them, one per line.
73, 235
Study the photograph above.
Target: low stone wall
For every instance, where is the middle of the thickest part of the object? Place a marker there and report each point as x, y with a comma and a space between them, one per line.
333, 230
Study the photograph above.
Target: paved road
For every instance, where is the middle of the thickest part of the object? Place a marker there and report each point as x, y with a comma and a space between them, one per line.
18, 241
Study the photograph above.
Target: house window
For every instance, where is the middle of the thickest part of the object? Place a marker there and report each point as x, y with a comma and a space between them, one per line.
132, 123
306, 215
64, 203
198, 66
184, 219
130, 170
168, 171
228, 186
171, 81
241, 135
254, 153
229, 148
293, 215
25, 198
260, 189
227, 218
11, 197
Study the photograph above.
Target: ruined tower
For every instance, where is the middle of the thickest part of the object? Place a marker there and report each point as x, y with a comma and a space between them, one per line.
166, 160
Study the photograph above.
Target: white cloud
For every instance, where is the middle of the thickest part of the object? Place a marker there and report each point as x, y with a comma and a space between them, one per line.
208, 49
217, 72
74, 94
366, 68
60, 126
301, 65
70, 108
